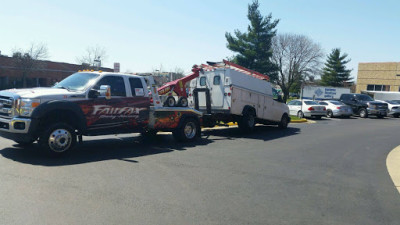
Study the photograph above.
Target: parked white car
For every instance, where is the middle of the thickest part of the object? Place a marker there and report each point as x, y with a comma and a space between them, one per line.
336, 109
306, 108
394, 107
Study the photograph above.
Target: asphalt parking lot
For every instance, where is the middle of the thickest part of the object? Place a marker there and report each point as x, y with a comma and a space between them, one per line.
329, 172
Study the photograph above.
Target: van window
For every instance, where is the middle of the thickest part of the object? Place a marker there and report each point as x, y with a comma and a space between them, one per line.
202, 81
217, 80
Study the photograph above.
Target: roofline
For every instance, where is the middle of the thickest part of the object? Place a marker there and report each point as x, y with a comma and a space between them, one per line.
375, 62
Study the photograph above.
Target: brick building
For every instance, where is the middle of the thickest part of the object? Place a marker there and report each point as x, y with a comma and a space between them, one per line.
48, 73
378, 77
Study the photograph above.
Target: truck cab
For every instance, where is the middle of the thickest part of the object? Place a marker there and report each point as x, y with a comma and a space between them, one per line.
90, 103
364, 106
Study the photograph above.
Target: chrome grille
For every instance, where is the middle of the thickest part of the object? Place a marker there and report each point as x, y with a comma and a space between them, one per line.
6, 106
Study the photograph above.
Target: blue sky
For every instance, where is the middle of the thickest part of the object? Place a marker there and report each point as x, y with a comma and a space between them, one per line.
142, 35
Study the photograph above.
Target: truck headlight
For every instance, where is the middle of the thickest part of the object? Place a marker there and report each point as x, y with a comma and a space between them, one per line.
25, 106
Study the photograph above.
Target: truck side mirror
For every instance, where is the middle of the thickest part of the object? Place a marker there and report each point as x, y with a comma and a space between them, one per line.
93, 93
105, 90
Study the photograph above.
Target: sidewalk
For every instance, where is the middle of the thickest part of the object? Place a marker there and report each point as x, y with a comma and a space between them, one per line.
393, 165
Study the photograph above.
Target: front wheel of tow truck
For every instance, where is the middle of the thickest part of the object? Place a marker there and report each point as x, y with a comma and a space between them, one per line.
57, 139
170, 102
183, 102
189, 130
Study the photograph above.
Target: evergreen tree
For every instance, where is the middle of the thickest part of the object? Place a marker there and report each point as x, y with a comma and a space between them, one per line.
253, 47
335, 73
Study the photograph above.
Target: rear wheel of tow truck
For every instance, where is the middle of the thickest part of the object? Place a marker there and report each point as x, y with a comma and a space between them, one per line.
183, 102
248, 121
170, 102
189, 130
284, 122
363, 113
58, 138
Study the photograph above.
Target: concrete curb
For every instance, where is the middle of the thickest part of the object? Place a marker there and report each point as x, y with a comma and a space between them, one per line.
393, 166
299, 121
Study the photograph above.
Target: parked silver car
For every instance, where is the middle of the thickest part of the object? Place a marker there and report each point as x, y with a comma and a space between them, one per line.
336, 109
306, 108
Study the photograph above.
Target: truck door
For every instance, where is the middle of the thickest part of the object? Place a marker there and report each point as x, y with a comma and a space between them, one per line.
217, 91
118, 112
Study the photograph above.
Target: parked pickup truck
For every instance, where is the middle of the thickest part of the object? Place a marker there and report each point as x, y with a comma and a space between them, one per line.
91, 103
364, 105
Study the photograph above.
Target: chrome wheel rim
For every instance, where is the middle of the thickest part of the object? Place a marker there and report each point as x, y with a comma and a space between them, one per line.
190, 130
60, 140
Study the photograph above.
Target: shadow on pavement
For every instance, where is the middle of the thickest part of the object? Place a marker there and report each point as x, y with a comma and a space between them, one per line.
127, 148
264, 133
102, 149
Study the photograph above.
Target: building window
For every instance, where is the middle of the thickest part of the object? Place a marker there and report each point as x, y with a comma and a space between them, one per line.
376, 87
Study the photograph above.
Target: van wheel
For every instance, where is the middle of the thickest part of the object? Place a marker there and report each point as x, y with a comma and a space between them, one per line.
300, 114
58, 138
189, 130
363, 113
183, 102
284, 122
329, 114
248, 121
170, 102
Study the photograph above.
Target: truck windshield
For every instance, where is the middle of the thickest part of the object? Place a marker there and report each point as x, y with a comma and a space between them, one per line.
364, 98
77, 81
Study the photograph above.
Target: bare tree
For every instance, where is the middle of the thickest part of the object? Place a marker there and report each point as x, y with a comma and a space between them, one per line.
30, 59
178, 73
297, 58
93, 57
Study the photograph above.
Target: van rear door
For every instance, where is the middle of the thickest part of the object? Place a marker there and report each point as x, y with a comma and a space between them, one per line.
217, 90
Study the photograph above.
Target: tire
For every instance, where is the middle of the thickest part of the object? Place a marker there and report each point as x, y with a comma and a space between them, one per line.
300, 114
247, 122
183, 102
329, 114
396, 115
170, 102
363, 113
24, 143
188, 131
58, 138
284, 122
380, 116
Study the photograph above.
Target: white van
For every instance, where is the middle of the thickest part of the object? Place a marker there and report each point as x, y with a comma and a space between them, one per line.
237, 96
